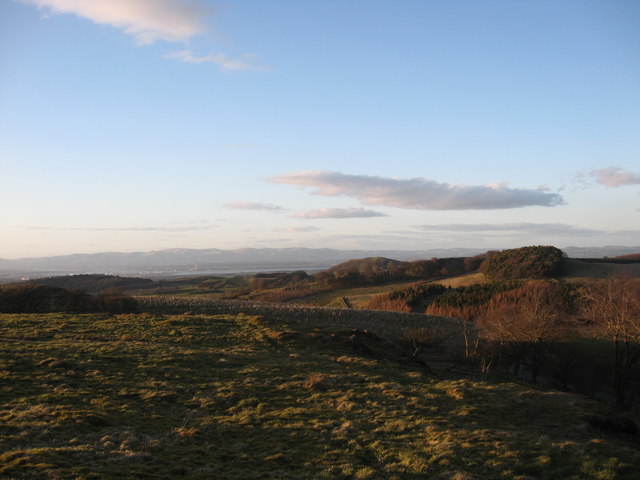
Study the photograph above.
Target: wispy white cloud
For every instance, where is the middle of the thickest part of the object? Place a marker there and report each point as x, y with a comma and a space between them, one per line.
253, 206
297, 229
338, 213
226, 64
613, 177
149, 21
523, 228
418, 193
181, 228
146, 20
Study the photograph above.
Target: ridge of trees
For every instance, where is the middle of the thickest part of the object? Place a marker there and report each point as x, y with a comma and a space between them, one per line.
261, 281
533, 262
377, 270
33, 298
622, 259
630, 256
95, 283
524, 262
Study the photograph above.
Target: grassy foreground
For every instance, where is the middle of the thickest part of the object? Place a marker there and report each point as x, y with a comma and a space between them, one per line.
236, 396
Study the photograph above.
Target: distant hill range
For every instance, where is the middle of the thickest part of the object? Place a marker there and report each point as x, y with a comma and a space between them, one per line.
193, 261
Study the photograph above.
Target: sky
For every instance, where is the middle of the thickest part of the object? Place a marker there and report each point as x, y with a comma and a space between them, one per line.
139, 125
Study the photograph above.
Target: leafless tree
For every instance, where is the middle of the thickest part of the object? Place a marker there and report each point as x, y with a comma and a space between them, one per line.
613, 306
523, 320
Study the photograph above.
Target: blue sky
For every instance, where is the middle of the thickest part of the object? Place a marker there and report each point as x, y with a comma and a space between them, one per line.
129, 125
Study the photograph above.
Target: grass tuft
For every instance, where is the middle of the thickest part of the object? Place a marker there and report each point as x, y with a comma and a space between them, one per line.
316, 381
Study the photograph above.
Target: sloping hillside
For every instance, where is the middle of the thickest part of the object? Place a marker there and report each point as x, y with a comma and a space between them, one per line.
95, 283
573, 268
235, 396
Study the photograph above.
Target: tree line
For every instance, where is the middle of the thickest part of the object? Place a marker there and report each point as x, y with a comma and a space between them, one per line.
380, 270
583, 336
28, 298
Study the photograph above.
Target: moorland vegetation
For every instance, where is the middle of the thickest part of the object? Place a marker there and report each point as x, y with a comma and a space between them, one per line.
457, 368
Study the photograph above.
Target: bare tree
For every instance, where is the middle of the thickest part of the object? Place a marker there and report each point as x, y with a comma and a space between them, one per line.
614, 308
523, 320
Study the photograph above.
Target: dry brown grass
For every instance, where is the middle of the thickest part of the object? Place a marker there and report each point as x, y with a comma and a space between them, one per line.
315, 381
463, 280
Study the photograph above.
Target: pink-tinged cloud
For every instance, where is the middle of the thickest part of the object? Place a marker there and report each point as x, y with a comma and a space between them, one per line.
146, 20
338, 213
524, 228
613, 177
253, 206
418, 193
184, 228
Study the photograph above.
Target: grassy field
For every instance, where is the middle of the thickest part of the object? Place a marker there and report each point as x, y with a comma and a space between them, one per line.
357, 296
235, 396
463, 280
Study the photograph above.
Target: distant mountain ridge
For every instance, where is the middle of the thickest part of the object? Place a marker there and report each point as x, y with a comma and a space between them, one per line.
216, 257
243, 259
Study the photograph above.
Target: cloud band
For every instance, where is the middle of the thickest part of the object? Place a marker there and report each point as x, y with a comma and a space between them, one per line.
418, 193
338, 213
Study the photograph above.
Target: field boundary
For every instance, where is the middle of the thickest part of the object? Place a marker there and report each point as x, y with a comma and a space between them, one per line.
387, 324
